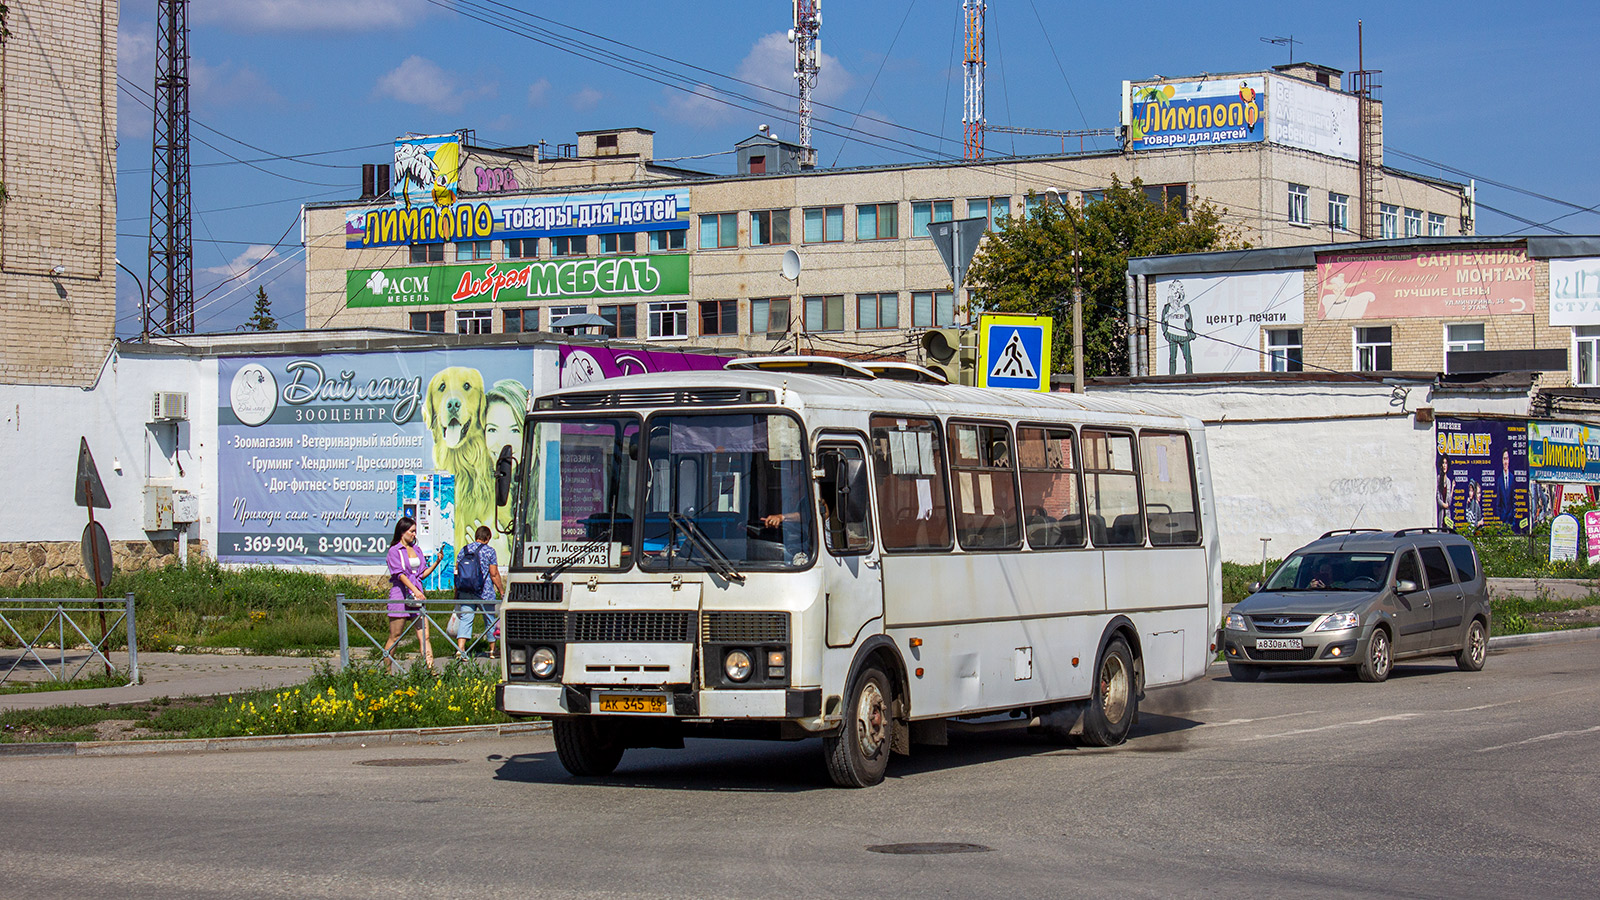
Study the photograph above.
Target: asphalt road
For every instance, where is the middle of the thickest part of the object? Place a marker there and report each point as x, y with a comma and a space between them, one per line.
1436, 784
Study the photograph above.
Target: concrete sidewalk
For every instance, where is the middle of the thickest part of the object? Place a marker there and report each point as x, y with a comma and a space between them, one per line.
170, 675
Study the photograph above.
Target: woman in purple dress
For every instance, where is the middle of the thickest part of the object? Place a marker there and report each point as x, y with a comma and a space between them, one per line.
407, 568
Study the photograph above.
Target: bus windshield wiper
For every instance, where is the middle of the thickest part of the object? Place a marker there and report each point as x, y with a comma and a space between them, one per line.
570, 558
715, 560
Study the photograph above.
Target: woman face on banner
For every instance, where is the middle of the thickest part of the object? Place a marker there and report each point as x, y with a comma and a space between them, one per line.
503, 428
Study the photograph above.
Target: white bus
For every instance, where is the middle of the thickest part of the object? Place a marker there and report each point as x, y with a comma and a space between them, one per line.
784, 554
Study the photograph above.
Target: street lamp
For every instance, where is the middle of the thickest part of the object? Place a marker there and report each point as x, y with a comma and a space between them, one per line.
1053, 196
144, 304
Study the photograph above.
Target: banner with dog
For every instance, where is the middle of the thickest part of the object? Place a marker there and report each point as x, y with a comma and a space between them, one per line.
312, 448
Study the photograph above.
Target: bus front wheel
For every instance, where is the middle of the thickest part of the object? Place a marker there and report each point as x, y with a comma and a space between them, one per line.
858, 754
1116, 698
587, 746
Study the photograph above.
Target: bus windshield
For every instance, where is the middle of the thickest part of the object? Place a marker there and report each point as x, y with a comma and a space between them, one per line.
579, 493
732, 486
1331, 572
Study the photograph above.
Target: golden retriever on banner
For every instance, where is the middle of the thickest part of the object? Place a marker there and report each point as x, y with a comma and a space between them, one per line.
454, 414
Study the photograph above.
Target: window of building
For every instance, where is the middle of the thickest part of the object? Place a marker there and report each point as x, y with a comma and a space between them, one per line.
825, 313
1111, 489
669, 319
719, 317
1338, 211
1170, 505
557, 313
1175, 196
877, 222
768, 227
1389, 220
624, 319
1586, 339
1463, 337
1299, 204
1284, 350
627, 242
926, 212
570, 245
474, 321
521, 248
1374, 349
1052, 502
518, 321
1032, 202
908, 462
769, 317
719, 230
824, 224
427, 253
758, 164
1435, 225
877, 311
1090, 198
992, 208
667, 240
983, 485
428, 321
1413, 222
471, 251
933, 309
605, 142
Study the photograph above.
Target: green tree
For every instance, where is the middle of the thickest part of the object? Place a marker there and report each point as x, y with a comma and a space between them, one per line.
261, 317
1026, 266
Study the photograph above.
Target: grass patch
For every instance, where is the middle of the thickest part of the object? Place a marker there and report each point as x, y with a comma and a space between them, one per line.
95, 677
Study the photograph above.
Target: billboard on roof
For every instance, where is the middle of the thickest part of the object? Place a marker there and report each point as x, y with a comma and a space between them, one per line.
1195, 113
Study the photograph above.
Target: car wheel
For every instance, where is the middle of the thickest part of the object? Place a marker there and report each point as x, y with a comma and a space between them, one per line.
587, 747
1379, 659
1115, 703
1473, 652
1244, 671
858, 754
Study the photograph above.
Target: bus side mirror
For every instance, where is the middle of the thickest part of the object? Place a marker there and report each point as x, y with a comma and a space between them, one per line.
502, 476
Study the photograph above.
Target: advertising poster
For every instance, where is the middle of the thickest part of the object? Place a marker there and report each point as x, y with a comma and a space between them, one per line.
516, 280
1482, 468
1488, 282
1563, 538
1212, 323
312, 448
427, 170
1197, 113
584, 364
549, 215
1564, 452
1312, 117
1575, 291
430, 501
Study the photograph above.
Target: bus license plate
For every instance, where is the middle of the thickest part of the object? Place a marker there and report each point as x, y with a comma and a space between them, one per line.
1278, 644
633, 703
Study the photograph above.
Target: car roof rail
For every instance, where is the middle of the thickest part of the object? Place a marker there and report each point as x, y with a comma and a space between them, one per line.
1427, 529
1339, 531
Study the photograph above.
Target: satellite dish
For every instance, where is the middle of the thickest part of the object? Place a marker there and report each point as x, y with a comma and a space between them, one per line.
791, 265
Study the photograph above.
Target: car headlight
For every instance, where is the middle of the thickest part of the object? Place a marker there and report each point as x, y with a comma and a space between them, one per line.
1235, 623
737, 665
1340, 621
544, 662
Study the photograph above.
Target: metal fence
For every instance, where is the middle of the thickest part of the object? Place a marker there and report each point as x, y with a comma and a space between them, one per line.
37, 621
368, 620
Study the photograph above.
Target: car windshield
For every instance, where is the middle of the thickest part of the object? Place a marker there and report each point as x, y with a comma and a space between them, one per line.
578, 494
1331, 572
733, 486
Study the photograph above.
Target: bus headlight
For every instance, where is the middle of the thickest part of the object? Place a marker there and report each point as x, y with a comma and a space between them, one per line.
517, 660
544, 662
737, 665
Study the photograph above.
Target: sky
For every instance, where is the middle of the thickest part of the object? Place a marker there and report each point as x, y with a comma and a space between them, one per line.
290, 97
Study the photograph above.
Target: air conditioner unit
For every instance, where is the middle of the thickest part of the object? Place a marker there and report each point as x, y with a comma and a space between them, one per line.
170, 406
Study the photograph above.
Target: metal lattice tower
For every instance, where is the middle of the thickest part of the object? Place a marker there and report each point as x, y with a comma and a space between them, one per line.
972, 77
170, 308
807, 60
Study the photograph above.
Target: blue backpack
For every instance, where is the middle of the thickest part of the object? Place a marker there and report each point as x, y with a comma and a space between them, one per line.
469, 570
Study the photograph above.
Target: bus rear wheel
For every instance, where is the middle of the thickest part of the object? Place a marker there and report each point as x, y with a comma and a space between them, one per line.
1115, 703
858, 754
587, 747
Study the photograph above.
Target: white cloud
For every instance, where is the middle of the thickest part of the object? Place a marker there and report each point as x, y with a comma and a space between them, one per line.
585, 99
252, 254
425, 83
770, 63
312, 15
230, 85
539, 92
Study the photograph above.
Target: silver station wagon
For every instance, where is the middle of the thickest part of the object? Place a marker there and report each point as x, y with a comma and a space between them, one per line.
1364, 599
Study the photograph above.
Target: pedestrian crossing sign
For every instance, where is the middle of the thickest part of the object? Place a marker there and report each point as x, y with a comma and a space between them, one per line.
1014, 352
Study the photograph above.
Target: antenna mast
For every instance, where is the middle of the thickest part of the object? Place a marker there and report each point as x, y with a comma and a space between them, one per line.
972, 77
171, 272
807, 60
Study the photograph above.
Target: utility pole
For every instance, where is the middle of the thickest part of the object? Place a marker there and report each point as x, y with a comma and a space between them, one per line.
171, 271
805, 35
972, 116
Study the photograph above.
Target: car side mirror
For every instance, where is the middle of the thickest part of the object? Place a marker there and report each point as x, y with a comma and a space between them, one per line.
502, 476
1254, 587
1405, 586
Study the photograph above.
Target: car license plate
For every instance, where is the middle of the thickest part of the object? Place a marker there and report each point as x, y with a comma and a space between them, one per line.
1278, 644
633, 703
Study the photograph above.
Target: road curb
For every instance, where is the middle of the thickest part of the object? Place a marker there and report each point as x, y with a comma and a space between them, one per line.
269, 741
1508, 641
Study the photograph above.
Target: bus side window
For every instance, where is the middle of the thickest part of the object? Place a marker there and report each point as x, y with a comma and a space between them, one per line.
1169, 497
1052, 502
1111, 489
908, 462
984, 486
845, 500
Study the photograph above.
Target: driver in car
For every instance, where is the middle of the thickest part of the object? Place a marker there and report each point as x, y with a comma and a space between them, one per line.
1323, 577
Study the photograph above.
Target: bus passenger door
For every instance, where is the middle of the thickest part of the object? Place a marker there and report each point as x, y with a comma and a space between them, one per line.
853, 579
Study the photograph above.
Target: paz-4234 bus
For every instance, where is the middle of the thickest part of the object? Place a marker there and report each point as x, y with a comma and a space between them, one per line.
807, 548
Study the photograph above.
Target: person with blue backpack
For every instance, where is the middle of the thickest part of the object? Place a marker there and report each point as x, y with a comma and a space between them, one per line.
477, 580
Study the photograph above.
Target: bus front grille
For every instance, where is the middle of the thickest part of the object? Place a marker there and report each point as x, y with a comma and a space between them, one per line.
633, 627
536, 625
745, 628
535, 592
